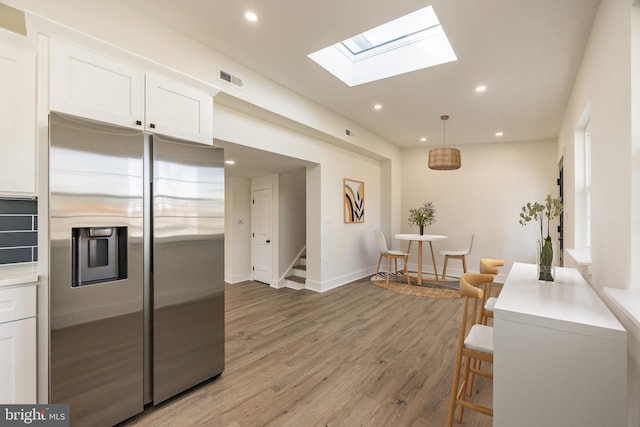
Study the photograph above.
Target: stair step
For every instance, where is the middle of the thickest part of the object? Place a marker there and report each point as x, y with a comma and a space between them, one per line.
300, 267
296, 279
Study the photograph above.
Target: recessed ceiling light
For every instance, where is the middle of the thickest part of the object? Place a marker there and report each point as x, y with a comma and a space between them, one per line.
499, 133
251, 16
481, 88
423, 139
377, 107
230, 162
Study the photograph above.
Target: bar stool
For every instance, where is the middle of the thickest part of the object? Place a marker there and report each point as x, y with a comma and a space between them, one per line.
475, 342
488, 266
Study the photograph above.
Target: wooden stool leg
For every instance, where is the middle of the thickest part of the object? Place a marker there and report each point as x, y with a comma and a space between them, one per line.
454, 388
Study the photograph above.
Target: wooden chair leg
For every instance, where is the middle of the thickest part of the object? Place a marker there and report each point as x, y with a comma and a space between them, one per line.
388, 268
444, 270
378, 268
406, 270
464, 263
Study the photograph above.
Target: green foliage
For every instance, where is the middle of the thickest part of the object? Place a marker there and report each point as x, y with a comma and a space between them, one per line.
424, 215
551, 209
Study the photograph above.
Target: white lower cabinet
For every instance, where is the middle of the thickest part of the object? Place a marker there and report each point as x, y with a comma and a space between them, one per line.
18, 345
18, 361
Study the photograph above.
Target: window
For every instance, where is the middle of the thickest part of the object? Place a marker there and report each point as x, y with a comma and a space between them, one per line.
587, 184
581, 251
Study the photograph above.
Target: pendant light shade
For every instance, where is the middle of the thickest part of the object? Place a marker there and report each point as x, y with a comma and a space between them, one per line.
444, 158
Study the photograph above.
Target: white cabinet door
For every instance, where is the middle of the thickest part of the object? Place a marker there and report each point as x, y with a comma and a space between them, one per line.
18, 361
87, 84
17, 116
178, 110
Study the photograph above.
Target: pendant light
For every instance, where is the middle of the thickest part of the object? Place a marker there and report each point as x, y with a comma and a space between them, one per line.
444, 158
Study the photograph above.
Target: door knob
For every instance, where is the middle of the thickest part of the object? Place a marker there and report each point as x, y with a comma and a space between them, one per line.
268, 241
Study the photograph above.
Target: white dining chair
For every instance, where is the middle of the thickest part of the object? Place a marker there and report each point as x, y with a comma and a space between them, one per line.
381, 245
459, 254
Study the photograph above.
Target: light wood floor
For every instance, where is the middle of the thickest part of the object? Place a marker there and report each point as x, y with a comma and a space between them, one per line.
358, 355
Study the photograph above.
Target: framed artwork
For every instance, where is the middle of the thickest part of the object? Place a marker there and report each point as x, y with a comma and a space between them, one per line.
353, 201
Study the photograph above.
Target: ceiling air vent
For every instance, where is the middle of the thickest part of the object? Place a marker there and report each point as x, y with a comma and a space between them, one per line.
230, 78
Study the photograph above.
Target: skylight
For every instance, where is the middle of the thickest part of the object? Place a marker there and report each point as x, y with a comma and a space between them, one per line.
411, 42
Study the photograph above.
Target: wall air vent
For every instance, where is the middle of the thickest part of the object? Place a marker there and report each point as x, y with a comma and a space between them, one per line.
230, 78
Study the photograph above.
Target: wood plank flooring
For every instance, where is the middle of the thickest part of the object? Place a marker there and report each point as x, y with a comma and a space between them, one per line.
358, 355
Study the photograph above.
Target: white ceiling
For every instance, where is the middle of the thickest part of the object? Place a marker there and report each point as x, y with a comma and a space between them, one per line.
525, 51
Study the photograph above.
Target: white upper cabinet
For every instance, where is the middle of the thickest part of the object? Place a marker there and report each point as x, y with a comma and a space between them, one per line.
178, 110
17, 116
88, 84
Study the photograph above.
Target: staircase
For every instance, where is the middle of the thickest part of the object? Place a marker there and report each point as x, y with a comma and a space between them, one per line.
297, 274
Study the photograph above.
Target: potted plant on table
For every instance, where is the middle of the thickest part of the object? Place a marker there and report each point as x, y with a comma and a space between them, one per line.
552, 208
424, 215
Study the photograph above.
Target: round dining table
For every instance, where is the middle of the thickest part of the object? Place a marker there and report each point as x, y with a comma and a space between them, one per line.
422, 238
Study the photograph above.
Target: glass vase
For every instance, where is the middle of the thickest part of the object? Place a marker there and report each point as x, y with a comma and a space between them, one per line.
545, 260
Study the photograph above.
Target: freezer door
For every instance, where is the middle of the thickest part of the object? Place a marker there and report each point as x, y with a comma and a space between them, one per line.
188, 265
96, 176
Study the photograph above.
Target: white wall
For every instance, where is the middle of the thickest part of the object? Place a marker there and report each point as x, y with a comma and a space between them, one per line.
237, 238
605, 81
484, 197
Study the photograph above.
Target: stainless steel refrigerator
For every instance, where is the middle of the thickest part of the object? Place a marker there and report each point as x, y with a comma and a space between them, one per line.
136, 268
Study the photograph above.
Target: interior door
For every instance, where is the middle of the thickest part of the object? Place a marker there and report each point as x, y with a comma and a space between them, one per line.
561, 224
261, 225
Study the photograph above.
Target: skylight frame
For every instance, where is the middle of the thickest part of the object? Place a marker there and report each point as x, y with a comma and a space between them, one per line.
424, 45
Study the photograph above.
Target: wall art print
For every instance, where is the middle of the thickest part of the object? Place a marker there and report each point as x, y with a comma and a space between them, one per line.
353, 201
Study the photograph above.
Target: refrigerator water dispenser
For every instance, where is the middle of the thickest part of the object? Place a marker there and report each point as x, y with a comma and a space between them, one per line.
99, 255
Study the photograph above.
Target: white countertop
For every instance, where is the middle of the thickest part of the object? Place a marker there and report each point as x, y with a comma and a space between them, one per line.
17, 274
569, 303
